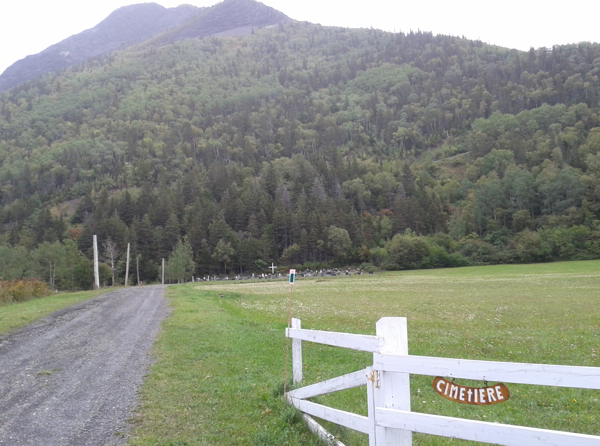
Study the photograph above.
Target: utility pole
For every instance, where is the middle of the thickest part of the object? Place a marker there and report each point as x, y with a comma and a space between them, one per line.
137, 259
96, 273
163, 271
127, 266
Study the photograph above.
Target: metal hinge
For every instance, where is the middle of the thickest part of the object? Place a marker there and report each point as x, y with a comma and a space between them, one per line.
374, 376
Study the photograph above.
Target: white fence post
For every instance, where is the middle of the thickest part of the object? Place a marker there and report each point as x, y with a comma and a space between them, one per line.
371, 405
392, 390
296, 354
390, 420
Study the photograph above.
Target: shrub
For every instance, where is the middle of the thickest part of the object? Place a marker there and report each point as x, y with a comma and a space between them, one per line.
378, 255
530, 247
406, 252
22, 290
566, 243
439, 258
84, 275
105, 274
477, 251
367, 267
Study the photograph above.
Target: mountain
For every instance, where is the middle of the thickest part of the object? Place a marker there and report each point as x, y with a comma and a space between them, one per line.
134, 24
303, 143
126, 26
228, 18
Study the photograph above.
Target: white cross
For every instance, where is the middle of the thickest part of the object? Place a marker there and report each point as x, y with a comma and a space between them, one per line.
272, 267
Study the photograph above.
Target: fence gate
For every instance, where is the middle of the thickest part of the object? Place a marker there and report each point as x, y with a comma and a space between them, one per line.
391, 421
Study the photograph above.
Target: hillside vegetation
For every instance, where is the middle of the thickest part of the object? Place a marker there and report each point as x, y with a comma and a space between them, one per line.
303, 143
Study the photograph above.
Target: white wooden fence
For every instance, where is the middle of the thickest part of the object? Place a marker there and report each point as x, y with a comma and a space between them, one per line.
390, 420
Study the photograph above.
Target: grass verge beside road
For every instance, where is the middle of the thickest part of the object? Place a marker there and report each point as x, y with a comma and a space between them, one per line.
216, 378
20, 314
219, 359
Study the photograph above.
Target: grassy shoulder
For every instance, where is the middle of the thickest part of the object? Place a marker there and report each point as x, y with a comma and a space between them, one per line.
20, 314
219, 359
216, 378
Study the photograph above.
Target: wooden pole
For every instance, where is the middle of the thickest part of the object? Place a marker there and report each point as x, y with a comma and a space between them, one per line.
127, 266
137, 259
163, 271
96, 273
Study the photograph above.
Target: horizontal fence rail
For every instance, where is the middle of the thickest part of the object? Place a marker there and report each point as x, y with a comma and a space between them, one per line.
480, 431
359, 342
349, 381
391, 421
535, 374
350, 420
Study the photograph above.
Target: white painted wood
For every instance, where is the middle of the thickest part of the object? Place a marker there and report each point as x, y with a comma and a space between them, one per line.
371, 383
96, 272
390, 421
127, 265
393, 389
163, 271
296, 354
360, 342
321, 432
350, 420
480, 431
535, 374
349, 381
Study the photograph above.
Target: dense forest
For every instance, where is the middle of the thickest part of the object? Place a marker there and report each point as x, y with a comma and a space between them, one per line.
302, 144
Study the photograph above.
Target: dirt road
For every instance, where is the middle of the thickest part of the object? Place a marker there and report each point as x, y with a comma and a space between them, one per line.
72, 377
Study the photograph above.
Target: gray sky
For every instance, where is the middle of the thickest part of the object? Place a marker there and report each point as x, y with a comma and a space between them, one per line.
29, 26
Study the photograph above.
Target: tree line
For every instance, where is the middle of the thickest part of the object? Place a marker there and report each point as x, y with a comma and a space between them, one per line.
307, 145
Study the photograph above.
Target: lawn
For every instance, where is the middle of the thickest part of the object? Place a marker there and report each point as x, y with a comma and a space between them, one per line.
20, 314
220, 360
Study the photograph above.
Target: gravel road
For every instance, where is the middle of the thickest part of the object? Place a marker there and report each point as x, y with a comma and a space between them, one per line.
72, 378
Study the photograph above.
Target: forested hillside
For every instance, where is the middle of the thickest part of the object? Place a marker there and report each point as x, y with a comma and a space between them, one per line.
303, 143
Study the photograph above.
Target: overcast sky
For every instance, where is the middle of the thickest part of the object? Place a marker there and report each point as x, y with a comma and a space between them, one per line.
29, 26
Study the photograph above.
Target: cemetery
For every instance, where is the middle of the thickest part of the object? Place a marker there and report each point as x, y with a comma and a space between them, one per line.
334, 272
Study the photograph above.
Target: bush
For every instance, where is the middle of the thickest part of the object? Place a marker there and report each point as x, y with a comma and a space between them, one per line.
378, 255
22, 290
105, 274
565, 243
367, 267
439, 258
406, 252
84, 275
477, 251
530, 247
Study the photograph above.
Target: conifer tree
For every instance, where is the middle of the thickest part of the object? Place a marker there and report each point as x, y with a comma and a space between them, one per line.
171, 233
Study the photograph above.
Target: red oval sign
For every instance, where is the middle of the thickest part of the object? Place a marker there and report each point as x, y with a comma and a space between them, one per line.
480, 396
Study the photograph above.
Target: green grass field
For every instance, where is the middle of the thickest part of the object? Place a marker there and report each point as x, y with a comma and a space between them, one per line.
220, 360
20, 314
